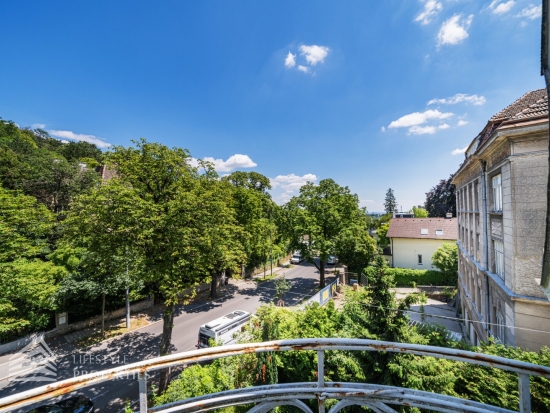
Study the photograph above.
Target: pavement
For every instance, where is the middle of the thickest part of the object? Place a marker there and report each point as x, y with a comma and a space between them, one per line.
69, 361
435, 311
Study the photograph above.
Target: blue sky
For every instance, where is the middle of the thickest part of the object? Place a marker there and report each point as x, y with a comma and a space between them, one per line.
371, 94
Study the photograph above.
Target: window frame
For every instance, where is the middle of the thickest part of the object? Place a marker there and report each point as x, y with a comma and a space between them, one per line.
499, 258
419, 258
500, 328
497, 192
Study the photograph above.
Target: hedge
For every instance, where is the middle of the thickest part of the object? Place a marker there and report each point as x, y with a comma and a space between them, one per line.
404, 277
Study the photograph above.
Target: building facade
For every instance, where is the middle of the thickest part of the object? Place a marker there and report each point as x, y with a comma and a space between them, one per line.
501, 211
413, 241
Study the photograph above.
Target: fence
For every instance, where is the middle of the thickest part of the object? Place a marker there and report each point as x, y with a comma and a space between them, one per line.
323, 296
374, 396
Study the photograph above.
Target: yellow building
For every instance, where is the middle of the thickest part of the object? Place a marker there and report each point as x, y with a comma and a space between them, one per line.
413, 241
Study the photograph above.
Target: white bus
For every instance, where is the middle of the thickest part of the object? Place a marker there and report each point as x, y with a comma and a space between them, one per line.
223, 328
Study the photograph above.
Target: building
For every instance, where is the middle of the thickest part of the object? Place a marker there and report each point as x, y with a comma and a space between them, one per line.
413, 241
501, 210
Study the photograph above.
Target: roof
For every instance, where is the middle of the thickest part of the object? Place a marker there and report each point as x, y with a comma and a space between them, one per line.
412, 228
532, 104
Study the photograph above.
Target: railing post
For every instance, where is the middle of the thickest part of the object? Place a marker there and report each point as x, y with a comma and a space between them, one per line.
524, 393
321, 378
142, 379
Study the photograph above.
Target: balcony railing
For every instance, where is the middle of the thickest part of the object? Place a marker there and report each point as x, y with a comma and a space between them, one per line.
374, 396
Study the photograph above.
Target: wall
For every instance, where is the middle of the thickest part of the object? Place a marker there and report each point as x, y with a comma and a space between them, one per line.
405, 252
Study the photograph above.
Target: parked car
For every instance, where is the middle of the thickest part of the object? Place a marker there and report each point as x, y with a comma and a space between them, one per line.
77, 404
331, 260
296, 258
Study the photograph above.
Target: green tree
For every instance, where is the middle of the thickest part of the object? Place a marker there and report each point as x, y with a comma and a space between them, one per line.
100, 224
383, 240
355, 247
315, 219
419, 212
445, 259
171, 211
390, 204
28, 282
282, 286
256, 215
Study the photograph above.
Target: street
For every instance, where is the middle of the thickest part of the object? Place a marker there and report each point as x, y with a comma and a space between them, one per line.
144, 343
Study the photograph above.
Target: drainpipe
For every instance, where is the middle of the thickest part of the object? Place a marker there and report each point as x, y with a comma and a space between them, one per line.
486, 244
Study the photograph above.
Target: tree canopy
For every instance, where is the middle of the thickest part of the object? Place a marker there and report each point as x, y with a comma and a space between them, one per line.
441, 199
390, 204
316, 218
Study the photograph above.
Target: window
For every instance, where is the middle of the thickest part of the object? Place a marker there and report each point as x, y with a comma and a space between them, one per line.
424, 231
438, 232
499, 259
497, 193
419, 259
500, 328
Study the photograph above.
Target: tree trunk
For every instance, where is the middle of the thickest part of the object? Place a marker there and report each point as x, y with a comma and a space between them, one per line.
166, 344
103, 317
322, 274
213, 285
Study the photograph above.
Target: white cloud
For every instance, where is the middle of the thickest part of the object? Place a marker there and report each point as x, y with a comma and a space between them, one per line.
38, 126
233, 162
501, 8
64, 141
383, 129
458, 151
431, 9
423, 130
458, 98
304, 69
79, 137
314, 54
418, 118
462, 122
454, 30
291, 182
290, 60
531, 12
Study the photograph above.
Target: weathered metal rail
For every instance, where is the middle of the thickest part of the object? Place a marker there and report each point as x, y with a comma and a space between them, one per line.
376, 397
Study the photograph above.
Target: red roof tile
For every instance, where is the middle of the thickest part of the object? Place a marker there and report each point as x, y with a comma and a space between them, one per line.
412, 228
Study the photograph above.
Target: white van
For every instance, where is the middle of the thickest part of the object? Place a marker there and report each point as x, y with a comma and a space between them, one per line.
223, 329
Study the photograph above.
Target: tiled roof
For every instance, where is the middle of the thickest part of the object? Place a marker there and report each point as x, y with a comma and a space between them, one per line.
533, 104
417, 228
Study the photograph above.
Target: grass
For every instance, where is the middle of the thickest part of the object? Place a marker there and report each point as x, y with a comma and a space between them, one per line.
112, 331
267, 278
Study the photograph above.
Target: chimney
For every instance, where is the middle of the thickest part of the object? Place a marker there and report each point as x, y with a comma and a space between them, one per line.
448, 215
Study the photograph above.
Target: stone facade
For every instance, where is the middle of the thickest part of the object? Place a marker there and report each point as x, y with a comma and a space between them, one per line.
501, 234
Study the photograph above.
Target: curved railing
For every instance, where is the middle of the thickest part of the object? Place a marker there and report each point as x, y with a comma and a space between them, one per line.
374, 396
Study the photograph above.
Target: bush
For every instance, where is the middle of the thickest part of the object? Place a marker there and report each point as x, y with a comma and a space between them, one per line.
405, 277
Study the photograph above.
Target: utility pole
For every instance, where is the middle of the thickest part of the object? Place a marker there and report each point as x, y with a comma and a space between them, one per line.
127, 299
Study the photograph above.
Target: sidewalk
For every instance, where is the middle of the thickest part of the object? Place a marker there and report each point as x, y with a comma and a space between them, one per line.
435, 312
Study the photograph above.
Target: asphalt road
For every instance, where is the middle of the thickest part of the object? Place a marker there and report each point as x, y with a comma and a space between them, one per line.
144, 343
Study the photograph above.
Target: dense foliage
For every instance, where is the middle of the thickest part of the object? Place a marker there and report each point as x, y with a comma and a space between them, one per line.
407, 277
373, 314
326, 220
441, 199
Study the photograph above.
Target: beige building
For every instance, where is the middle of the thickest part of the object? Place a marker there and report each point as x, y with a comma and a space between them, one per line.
413, 241
501, 210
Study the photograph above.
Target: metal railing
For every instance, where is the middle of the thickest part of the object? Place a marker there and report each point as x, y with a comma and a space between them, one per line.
374, 396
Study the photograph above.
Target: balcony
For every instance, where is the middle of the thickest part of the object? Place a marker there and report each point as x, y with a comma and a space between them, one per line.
374, 396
